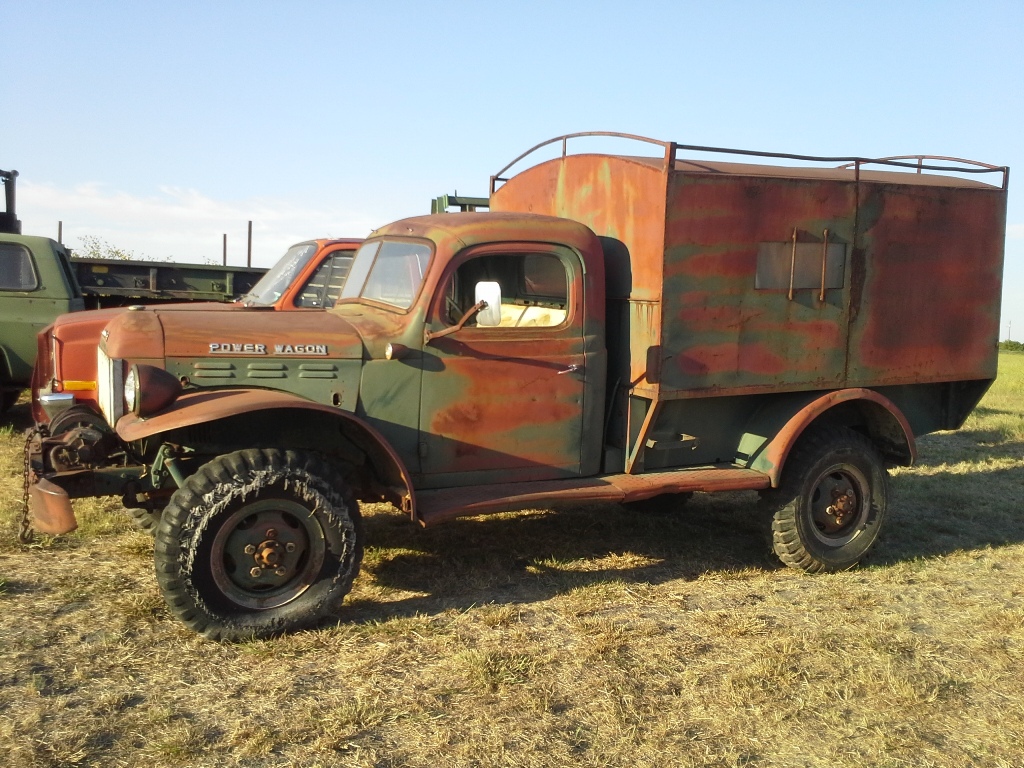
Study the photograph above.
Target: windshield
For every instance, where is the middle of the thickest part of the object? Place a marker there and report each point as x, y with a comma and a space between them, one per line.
389, 271
277, 279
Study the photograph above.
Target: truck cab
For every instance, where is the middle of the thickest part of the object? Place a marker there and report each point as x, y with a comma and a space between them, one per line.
618, 328
36, 285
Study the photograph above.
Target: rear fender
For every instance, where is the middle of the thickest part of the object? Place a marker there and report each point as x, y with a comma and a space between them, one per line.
774, 431
208, 407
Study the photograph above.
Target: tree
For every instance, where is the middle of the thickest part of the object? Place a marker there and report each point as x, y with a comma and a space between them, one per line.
94, 247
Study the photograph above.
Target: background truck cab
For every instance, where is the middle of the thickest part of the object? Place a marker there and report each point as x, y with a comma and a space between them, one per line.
619, 328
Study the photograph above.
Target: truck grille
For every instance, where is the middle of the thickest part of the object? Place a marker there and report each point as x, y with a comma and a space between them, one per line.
110, 386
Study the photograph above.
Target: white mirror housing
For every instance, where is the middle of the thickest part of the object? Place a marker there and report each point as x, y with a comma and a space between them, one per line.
489, 316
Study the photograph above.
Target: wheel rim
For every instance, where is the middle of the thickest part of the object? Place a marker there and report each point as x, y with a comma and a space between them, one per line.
839, 505
267, 553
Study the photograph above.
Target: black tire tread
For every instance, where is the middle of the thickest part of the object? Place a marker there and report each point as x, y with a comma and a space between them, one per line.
182, 601
146, 520
786, 540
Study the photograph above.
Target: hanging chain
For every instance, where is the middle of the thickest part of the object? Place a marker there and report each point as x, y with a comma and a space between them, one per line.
25, 534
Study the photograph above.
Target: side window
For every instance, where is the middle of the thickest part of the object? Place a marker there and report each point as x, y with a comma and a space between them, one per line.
323, 289
534, 289
16, 271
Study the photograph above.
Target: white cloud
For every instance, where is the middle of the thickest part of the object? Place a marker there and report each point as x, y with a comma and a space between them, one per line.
179, 223
1015, 231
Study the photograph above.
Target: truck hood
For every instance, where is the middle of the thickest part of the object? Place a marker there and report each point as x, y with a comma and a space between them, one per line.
186, 332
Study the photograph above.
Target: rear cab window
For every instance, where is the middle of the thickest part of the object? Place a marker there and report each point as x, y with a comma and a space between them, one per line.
17, 270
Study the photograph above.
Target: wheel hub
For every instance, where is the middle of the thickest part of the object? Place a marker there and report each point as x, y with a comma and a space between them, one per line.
844, 503
269, 554
838, 506
266, 554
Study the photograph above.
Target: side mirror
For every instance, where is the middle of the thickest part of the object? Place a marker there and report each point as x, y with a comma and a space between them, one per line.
489, 316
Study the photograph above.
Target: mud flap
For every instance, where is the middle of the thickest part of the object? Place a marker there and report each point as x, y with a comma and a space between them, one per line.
51, 510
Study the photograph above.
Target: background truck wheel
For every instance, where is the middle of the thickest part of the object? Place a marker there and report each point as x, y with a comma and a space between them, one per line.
146, 520
258, 542
831, 502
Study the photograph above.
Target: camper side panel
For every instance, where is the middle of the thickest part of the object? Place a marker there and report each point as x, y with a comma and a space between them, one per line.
757, 283
930, 261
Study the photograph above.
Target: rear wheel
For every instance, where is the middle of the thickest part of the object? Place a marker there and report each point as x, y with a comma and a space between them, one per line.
257, 543
145, 519
829, 508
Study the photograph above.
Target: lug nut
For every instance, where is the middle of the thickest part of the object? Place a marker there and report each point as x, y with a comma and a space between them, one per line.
256, 572
281, 572
289, 547
271, 533
250, 549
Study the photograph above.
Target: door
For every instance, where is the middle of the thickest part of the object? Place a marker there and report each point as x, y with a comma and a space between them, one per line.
27, 305
505, 403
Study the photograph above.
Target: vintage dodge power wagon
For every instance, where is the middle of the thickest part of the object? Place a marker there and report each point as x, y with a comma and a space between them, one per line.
617, 328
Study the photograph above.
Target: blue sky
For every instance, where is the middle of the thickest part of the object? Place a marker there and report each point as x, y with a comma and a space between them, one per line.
160, 126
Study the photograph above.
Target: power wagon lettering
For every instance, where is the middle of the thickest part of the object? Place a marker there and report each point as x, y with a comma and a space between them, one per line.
244, 349
300, 349
261, 349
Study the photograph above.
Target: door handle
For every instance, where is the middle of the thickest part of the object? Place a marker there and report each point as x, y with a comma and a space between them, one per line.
571, 369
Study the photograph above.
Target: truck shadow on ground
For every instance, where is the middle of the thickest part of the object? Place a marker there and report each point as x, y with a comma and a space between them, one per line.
948, 511
531, 557
967, 445
19, 417
966, 493
953, 504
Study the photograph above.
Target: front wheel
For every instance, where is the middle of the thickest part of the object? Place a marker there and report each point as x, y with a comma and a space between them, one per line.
258, 542
829, 508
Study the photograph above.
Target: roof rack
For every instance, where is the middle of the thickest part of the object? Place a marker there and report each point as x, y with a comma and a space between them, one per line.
671, 148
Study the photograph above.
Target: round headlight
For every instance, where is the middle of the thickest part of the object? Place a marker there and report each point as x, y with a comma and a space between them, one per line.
394, 351
148, 389
131, 389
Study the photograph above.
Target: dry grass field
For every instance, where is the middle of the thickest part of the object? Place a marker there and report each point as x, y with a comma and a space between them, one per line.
593, 636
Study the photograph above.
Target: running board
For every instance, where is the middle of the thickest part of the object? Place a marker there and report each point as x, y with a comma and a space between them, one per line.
436, 506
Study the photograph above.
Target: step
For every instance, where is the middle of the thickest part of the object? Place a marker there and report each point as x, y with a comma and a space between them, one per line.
435, 506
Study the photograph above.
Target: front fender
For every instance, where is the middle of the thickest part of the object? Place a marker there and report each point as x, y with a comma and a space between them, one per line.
882, 419
210, 405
